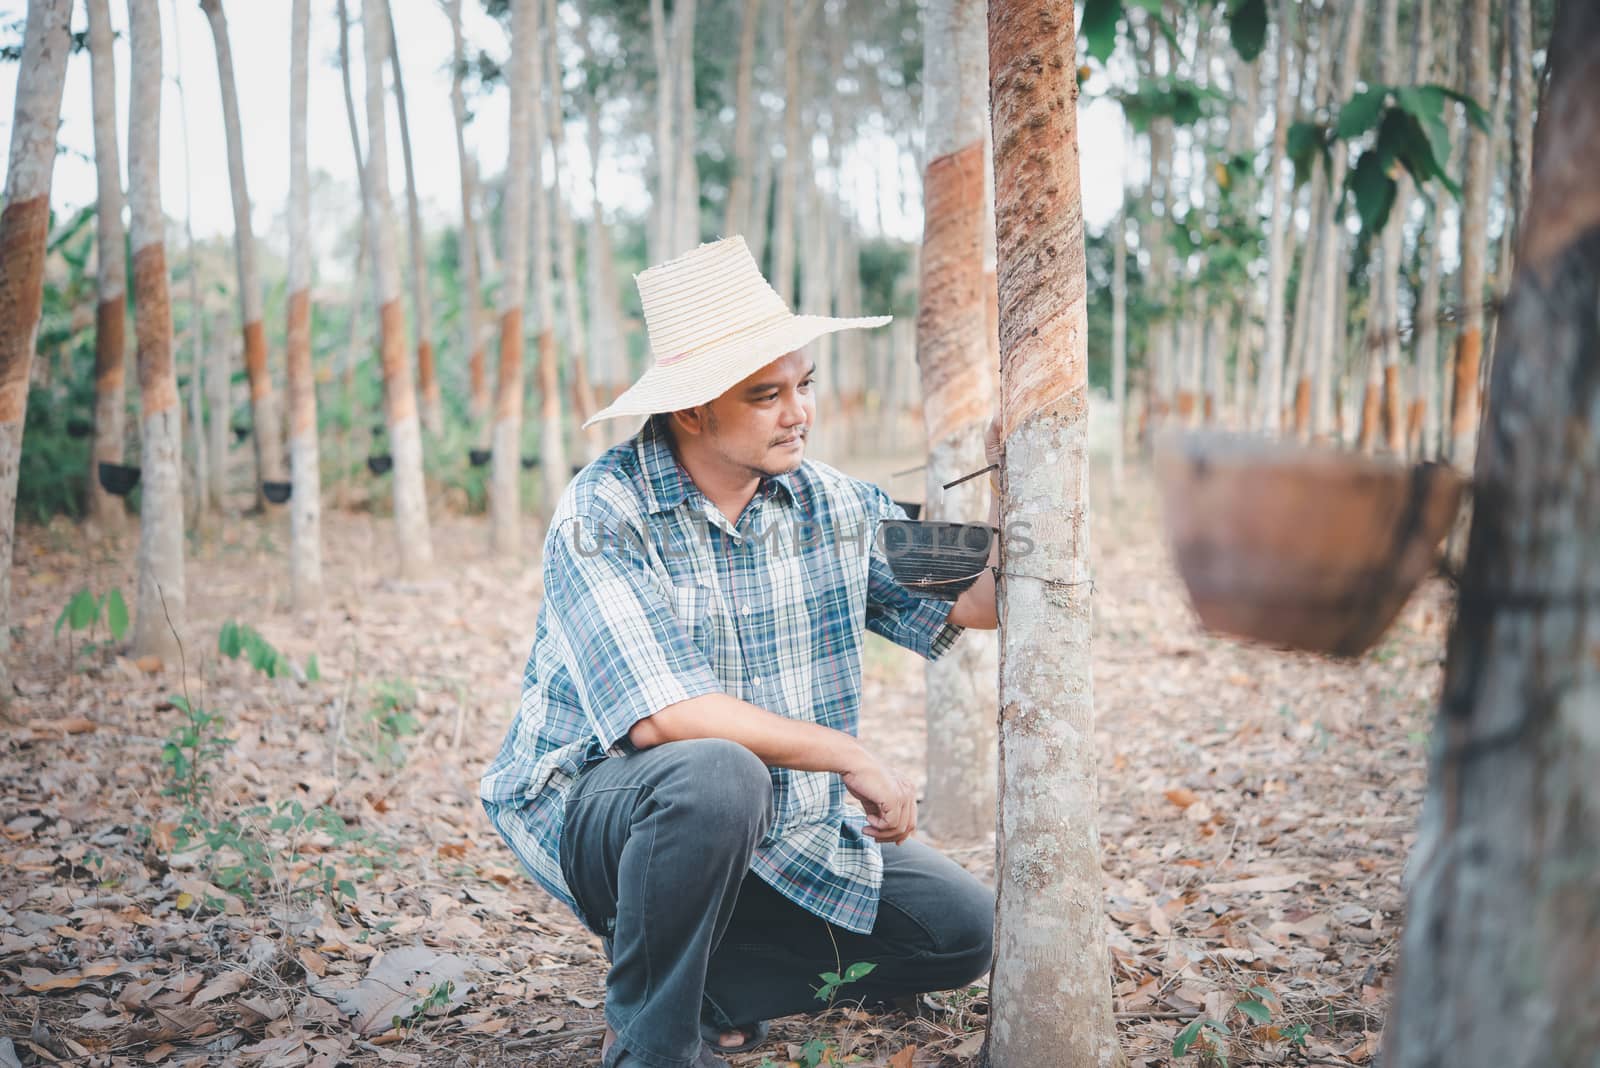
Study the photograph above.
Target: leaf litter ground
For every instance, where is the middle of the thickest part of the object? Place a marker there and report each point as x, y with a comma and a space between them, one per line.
1256, 810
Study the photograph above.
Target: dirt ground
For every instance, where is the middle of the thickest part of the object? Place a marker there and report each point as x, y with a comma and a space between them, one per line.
1256, 812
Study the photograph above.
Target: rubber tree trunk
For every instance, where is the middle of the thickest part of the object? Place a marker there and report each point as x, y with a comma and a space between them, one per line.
305, 502
1119, 348
958, 395
347, 383
1050, 993
203, 489
686, 186
105, 510
1498, 962
577, 349
1269, 382
24, 229
666, 156
1474, 240
422, 304
1331, 270
267, 429
1381, 390
1425, 405
505, 502
159, 621
399, 395
795, 152
1519, 45
553, 473
471, 281
736, 219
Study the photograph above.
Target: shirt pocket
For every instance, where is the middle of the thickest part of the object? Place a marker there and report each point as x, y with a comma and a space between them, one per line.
692, 607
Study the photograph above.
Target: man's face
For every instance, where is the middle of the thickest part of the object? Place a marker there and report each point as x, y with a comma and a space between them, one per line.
761, 424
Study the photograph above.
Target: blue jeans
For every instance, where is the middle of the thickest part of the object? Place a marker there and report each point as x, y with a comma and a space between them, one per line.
656, 850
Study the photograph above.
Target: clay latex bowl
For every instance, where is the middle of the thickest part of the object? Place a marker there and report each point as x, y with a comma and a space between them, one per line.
935, 559
1300, 547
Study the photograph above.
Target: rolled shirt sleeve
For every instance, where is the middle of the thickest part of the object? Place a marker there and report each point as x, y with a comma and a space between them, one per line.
628, 655
920, 624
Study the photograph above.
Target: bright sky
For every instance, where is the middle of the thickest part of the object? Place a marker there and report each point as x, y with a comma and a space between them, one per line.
259, 31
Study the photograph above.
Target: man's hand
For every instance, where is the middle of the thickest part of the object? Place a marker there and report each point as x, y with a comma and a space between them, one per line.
994, 447
890, 801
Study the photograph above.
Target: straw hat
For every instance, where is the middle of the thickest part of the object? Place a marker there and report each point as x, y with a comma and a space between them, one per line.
713, 321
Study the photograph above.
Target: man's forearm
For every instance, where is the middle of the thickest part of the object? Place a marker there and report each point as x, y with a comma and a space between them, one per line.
779, 741
976, 607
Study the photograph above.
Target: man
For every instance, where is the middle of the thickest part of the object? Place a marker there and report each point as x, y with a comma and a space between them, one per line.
678, 768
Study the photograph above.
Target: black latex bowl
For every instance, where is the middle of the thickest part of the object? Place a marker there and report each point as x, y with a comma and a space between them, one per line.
118, 479
935, 559
478, 457
276, 492
378, 430
911, 508
379, 463
530, 462
79, 428
240, 432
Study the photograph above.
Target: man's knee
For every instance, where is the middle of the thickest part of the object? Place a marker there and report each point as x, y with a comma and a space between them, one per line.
969, 935
721, 783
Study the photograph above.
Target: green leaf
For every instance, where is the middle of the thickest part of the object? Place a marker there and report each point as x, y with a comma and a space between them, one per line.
347, 888
116, 615
859, 970
1099, 28
1256, 1011
1305, 141
313, 672
1247, 27
1360, 113
1186, 1037
1425, 104
1475, 112
831, 978
1374, 191
82, 610
230, 642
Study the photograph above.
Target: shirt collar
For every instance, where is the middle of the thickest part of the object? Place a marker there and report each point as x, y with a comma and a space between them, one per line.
668, 484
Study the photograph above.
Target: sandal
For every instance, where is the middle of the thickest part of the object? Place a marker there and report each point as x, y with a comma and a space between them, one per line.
754, 1035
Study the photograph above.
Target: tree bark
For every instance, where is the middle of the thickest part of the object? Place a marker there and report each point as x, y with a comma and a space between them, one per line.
208, 438
105, 510
159, 621
1498, 954
305, 503
795, 153
1474, 241
422, 305
1119, 347
1390, 255
686, 186
24, 230
399, 395
736, 219
567, 242
267, 429
666, 156
505, 507
553, 474
1332, 244
1519, 46
1050, 991
471, 282
957, 395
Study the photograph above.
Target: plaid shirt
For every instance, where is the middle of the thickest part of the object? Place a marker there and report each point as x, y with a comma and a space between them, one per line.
651, 597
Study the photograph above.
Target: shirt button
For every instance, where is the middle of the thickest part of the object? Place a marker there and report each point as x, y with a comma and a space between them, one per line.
745, 610
756, 680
